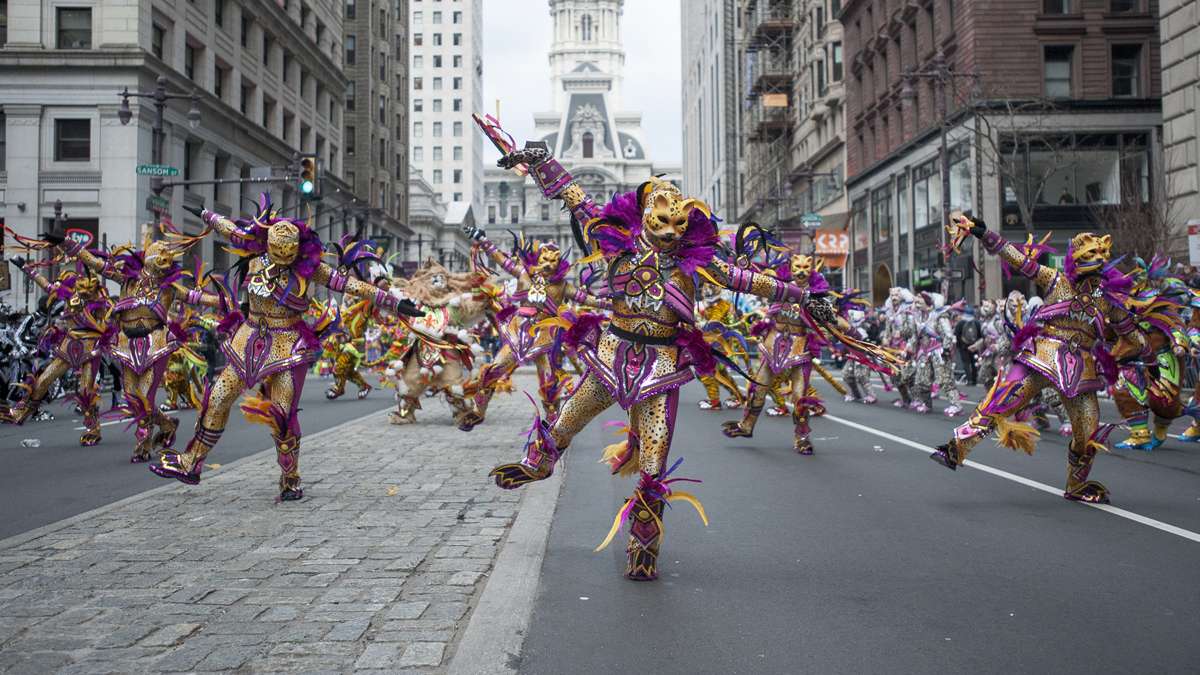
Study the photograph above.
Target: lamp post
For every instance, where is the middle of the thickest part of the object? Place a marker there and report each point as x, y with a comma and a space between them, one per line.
939, 72
159, 96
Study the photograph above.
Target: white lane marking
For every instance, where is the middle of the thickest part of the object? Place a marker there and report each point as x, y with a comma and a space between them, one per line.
1128, 515
124, 420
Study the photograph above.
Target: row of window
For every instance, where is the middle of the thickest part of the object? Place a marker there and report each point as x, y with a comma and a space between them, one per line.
1075, 6
418, 17
419, 129
514, 213
438, 155
418, 105
1126, 71
419, 39
456, 83
419, 61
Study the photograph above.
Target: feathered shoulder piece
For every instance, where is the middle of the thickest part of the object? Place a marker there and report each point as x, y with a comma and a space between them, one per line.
356, 255
617, 229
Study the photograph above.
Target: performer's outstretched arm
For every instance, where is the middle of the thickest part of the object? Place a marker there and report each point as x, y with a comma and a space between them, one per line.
997, 245
41, 281
341, 282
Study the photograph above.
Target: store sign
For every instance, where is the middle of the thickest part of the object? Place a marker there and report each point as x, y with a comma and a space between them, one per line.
833, 245
775, 100
1193, 242
80, 236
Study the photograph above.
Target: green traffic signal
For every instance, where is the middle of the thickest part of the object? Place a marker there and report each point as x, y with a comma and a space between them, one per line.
307, 187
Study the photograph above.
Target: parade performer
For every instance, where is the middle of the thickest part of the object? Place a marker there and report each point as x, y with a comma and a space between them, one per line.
150, 286
720, 329
346, 358
1192, 332
76, 341
435, 352
655, 243
792, 336
1150, 386
525, 322
857, 376
1062, 346
900, 335
994, 340
934, 354
272, 346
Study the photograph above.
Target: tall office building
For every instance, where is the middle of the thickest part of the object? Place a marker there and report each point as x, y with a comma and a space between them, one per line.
446, 86
711, 142
268, 83
376, 120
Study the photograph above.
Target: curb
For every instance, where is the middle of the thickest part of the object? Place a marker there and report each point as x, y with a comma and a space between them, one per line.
495, 635
18, 539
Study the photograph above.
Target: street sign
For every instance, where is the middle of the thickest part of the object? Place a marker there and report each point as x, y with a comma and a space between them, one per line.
810, 220
1056, 261
1193, 242
156, 170
155, 202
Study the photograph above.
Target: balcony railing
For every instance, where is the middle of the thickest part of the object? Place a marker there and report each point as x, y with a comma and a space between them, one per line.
773, 72
769, 122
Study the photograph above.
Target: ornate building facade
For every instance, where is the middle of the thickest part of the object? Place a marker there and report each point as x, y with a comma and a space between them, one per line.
602, 145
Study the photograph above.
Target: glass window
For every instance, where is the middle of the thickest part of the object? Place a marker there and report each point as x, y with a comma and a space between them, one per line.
437, 105
437, 17
437, 61
458, 153
350, 7
418, 83
437, 84
457, 83
961, 186
458, 17
418, 39
1058, 68
437, 39
437, 129
921, 197
418, 153
456, 39
545, 212
74, 28
418, 62
837, 62
935, 196
458, 129
437, 153
437, 175
458, 175
418, 18
1126, 70
862, 228
1056, 6
458, 61
351, 49
903, 207
418, 105
157, 35
72, 140
1123, 6
881, 213
514, 213
492, 214
457, 105
418, 129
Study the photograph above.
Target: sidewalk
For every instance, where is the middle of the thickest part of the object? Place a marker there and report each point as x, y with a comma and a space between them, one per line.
377, 568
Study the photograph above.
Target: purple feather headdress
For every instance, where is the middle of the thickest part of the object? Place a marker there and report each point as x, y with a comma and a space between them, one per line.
699, 242
251, 237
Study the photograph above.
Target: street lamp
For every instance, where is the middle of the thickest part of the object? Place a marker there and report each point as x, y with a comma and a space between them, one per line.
159, 96
939, 72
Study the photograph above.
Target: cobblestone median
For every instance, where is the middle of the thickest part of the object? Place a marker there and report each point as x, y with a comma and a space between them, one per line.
377, 568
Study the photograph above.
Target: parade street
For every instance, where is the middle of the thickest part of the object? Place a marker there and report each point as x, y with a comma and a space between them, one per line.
404, 557
869, 558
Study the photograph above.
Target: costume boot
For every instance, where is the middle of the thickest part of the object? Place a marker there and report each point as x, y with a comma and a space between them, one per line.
287, 454
89, 402
541, 454
645, 536
745, 428
1079, 465
405, 412
185, 466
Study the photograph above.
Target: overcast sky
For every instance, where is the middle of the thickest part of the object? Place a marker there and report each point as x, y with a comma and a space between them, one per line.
516, 41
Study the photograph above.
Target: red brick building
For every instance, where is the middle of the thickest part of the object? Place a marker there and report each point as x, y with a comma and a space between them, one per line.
1053, 111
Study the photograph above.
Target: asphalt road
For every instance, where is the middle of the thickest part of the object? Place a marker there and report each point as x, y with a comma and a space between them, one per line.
869, 558
60, 479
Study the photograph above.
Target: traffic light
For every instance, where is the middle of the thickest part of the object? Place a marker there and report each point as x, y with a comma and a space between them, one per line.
310, 177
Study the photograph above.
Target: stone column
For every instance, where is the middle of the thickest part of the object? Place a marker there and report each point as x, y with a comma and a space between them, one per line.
23, 131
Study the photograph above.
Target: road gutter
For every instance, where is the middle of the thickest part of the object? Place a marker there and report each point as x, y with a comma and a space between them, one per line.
495, 635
